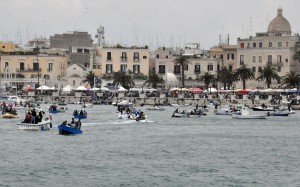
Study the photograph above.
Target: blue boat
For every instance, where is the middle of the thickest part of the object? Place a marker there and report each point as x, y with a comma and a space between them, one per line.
54, 109
279, 113
66, 130
80, 116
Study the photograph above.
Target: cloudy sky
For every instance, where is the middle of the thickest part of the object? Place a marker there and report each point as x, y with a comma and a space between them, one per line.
144, 22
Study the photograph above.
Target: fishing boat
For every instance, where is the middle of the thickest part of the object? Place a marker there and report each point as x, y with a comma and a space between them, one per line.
44, 125
67, 130
180, 114
246, 115
263, 108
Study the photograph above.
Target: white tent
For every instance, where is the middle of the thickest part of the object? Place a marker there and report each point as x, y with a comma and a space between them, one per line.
44, 87
68, 88
104, 89
52, 88
81, 88
122, 89
269, 90
212, 90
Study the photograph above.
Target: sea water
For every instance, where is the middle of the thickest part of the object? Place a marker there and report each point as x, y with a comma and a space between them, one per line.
203, 151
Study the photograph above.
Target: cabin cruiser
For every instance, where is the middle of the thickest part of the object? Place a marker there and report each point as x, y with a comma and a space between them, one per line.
43, 125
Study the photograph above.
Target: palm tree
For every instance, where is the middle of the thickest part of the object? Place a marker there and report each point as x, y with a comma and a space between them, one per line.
291, 79
89, 78
225, 76
268, 73
244, 73
124, 79
182, 61
296, 56
153, 79
207, 78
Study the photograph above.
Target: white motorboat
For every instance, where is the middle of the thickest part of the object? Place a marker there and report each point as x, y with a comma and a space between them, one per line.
261, 108
179, 114
160, 108
246, 115
44, 125
87, 105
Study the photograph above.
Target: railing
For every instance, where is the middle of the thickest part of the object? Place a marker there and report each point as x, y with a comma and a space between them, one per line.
136, 59
123, 58
49, 69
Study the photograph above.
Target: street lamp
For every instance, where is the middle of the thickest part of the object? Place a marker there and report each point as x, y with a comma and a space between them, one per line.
233, 89
142, 89
210, 89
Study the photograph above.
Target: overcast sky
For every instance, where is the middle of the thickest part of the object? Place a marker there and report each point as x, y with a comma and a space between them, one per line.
144, 22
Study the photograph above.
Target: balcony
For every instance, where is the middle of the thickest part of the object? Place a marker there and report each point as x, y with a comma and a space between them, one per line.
49, 69
162, 71
28, 69
197, 71
176, 72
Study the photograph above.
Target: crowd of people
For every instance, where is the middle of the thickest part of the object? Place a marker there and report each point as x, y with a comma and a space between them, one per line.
33, 116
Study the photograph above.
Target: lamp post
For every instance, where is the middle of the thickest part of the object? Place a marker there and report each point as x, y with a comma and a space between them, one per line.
142, 89
210, 89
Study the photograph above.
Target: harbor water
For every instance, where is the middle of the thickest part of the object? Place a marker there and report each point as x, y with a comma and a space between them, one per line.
204, 151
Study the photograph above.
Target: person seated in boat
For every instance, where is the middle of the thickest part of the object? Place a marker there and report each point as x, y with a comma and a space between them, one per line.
263, 105
72, 123
81, 112
27, 118
176, 111
64, 123
75, 112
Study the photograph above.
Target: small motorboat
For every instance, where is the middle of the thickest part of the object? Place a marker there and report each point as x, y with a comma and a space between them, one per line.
66, 130
246, 115
160, 108
78, 116
179, 114
44, 125
278, 113
9, 115
87, 105
263, 108
54, 109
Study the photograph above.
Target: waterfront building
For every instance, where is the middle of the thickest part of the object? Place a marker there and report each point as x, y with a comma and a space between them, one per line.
275, 47
6, 47
226, 53
18, 70
74, 75
114, 59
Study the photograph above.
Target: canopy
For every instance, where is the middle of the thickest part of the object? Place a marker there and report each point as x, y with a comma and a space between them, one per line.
52, 88
104, 89
81, 88
27, 88
68, 88
243, 91
122, 89
269, 90
44, 87
196, 90
212, 90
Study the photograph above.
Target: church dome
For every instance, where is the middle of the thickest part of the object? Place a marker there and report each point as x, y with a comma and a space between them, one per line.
279, 25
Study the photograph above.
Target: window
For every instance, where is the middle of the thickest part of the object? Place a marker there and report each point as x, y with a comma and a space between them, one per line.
279, 44
242, 45
108, 56
6, 65
136, 56
279, 68
279, 58
260, 59
79, 50
197, 68
230, 56
286, 44
124, 57
286, 60
22, 66
161, 69
123, 67
254, 59
269, 59
248, 45
210, 67
144, 57
157, 56
50, 66
270, 44
86, 50
260, 44
109, 68
186, 67
177, 69
167, 56
259, 69
241, 59
35, 66
221, 56
47, 77
254, 45
230, 68
253, 69
136, 68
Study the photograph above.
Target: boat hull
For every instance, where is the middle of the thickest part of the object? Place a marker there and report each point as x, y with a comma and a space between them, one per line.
9, 116
65, 130
249, 116
79, 116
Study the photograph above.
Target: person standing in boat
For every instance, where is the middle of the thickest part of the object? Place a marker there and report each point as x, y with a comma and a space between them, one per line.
81, 112
78, 124
33, 116
72, 123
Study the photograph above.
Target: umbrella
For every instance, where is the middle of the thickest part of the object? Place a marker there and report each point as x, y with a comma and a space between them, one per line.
43, 87
122, 89
81, 88
68, 88
196, 90
244, 91
269, 90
